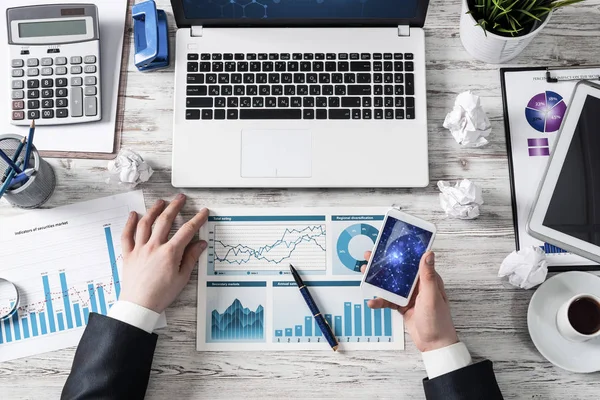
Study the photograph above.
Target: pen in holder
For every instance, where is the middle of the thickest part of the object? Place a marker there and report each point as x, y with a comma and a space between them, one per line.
32, 188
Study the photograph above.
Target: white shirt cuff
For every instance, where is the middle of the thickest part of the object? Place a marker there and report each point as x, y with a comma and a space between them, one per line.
134, 315
447, 359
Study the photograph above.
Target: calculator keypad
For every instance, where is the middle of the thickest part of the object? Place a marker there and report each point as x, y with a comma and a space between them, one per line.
41, 89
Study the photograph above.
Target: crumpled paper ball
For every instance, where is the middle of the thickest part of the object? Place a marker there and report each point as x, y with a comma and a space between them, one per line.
468, 122
525, 268
461, 200
129, 168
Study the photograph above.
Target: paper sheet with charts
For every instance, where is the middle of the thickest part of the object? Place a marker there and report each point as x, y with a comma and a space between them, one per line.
248, 300
66, 263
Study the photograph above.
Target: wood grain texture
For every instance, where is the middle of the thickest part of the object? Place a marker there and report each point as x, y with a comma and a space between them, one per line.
490, 315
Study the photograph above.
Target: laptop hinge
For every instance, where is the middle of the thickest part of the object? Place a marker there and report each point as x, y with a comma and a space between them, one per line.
403, 30
196, 31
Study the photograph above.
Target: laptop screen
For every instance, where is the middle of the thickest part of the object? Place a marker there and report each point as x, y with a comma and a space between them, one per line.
299, 9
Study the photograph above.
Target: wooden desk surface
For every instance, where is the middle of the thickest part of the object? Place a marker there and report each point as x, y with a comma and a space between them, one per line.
490, 316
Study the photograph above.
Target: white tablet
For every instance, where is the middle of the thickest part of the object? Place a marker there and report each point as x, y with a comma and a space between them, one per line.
567, 210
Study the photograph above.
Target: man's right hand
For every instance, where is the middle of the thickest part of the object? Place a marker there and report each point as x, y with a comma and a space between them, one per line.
427, 316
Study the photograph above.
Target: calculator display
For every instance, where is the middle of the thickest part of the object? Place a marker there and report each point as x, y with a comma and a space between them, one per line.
53, 28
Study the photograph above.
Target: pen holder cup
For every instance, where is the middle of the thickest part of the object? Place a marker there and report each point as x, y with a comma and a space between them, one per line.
36, 190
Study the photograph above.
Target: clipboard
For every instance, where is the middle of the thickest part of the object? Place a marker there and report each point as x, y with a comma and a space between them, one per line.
534, 101
103, 138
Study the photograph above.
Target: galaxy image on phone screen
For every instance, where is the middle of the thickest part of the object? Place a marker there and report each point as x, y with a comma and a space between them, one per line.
396, 259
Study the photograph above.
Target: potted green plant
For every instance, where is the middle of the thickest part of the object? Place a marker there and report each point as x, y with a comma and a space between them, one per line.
496, 31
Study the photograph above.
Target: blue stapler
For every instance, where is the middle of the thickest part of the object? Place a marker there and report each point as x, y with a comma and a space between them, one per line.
151, 37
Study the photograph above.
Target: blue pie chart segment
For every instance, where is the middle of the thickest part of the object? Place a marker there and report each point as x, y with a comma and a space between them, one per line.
353, 242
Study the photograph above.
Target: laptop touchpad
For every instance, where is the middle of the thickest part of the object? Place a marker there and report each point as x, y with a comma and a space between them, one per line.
276, 153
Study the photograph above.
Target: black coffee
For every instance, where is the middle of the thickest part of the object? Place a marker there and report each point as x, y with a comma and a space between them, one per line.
584, 315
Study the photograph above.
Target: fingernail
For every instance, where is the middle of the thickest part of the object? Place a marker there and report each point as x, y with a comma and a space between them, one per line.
180, 196
430, 260
160, 202
131, 214
203, 246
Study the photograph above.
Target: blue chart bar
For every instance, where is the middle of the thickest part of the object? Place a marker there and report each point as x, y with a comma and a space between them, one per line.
298, 329
329, 320
113, 260
317, 329
86, 314
92, 298
368, 323
77, 314
337, 331
278, 333
101, 300
377, 313
49, 306
348, 318
308, 326
34, 327
1, 340
550, 249
7, 332
358, 320
15, 320
25, 324
43, 323
61, 323
65, 293
288, 332
387, 320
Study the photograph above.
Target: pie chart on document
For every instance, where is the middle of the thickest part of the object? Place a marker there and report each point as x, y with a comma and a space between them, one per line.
545, 111
352, 244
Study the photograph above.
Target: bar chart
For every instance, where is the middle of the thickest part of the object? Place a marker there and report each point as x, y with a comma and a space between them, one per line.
72, 270
551, 249
64, 309
343, 307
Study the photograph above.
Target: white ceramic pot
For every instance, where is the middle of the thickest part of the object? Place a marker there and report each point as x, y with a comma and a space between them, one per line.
492, 48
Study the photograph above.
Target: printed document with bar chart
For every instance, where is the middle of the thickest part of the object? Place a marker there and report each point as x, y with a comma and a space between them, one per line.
247, 297
66, 263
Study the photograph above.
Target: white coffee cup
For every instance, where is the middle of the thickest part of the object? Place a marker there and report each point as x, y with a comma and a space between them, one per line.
565, 326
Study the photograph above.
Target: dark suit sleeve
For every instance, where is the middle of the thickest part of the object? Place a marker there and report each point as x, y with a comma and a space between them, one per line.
112, 361
474, 382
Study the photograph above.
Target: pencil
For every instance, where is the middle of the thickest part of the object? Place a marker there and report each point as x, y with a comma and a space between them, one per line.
310, 302
10, 162
29, 144
15, 157
22, 177
6, 183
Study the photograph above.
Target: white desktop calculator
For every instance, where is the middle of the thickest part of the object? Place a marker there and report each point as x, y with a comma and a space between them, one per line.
54, 64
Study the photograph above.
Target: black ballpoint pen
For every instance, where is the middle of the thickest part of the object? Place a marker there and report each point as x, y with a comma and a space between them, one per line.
310, 302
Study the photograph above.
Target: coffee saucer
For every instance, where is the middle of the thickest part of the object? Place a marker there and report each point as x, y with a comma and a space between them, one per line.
581, 357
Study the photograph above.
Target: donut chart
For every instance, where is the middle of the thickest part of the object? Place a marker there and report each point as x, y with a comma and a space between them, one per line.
353, 242
545, 112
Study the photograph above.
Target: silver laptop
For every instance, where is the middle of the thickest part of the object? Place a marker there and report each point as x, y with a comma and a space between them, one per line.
300, 93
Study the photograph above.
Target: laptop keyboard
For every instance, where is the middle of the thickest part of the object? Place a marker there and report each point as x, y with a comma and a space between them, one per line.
300, 86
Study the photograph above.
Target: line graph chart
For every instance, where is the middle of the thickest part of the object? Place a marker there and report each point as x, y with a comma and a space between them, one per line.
267, 245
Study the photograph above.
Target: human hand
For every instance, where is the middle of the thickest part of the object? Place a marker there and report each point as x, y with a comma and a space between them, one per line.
155, 268
427, 316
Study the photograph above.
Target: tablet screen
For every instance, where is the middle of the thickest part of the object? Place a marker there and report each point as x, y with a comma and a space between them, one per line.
575, 205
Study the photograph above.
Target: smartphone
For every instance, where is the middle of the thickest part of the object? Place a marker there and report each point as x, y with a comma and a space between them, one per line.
393, 270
